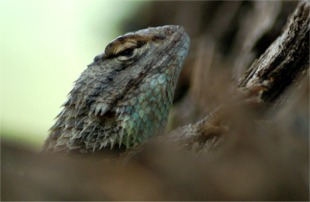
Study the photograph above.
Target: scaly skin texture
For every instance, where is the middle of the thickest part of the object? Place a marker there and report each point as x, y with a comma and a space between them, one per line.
123, 98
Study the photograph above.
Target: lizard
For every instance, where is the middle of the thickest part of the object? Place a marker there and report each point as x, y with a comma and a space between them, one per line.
123, 97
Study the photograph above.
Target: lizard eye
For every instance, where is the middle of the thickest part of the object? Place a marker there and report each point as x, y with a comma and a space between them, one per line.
124, 49
127, 52
131, 52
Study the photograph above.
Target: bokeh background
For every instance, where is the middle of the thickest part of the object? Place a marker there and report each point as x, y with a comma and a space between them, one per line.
45, 45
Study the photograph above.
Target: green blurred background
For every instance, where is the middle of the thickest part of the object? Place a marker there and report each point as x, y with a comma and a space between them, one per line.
45, 45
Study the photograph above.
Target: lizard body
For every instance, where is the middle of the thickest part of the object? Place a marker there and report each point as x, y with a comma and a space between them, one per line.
124, 96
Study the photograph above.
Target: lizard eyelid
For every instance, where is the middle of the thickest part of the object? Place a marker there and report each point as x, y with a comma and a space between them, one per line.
124, 51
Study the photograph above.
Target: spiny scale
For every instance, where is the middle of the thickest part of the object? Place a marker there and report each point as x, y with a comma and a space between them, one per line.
124, 96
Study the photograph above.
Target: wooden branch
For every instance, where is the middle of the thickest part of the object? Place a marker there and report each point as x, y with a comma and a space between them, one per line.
283, 61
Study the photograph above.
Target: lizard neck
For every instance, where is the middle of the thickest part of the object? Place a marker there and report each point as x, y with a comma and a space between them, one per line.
144, 111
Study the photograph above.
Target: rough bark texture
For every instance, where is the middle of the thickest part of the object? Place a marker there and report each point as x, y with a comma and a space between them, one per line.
282, 62
249, 137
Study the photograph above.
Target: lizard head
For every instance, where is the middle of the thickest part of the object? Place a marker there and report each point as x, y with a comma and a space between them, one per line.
136, 47
130, 58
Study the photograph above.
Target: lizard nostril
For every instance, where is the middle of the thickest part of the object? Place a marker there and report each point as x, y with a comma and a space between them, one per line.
169, 31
